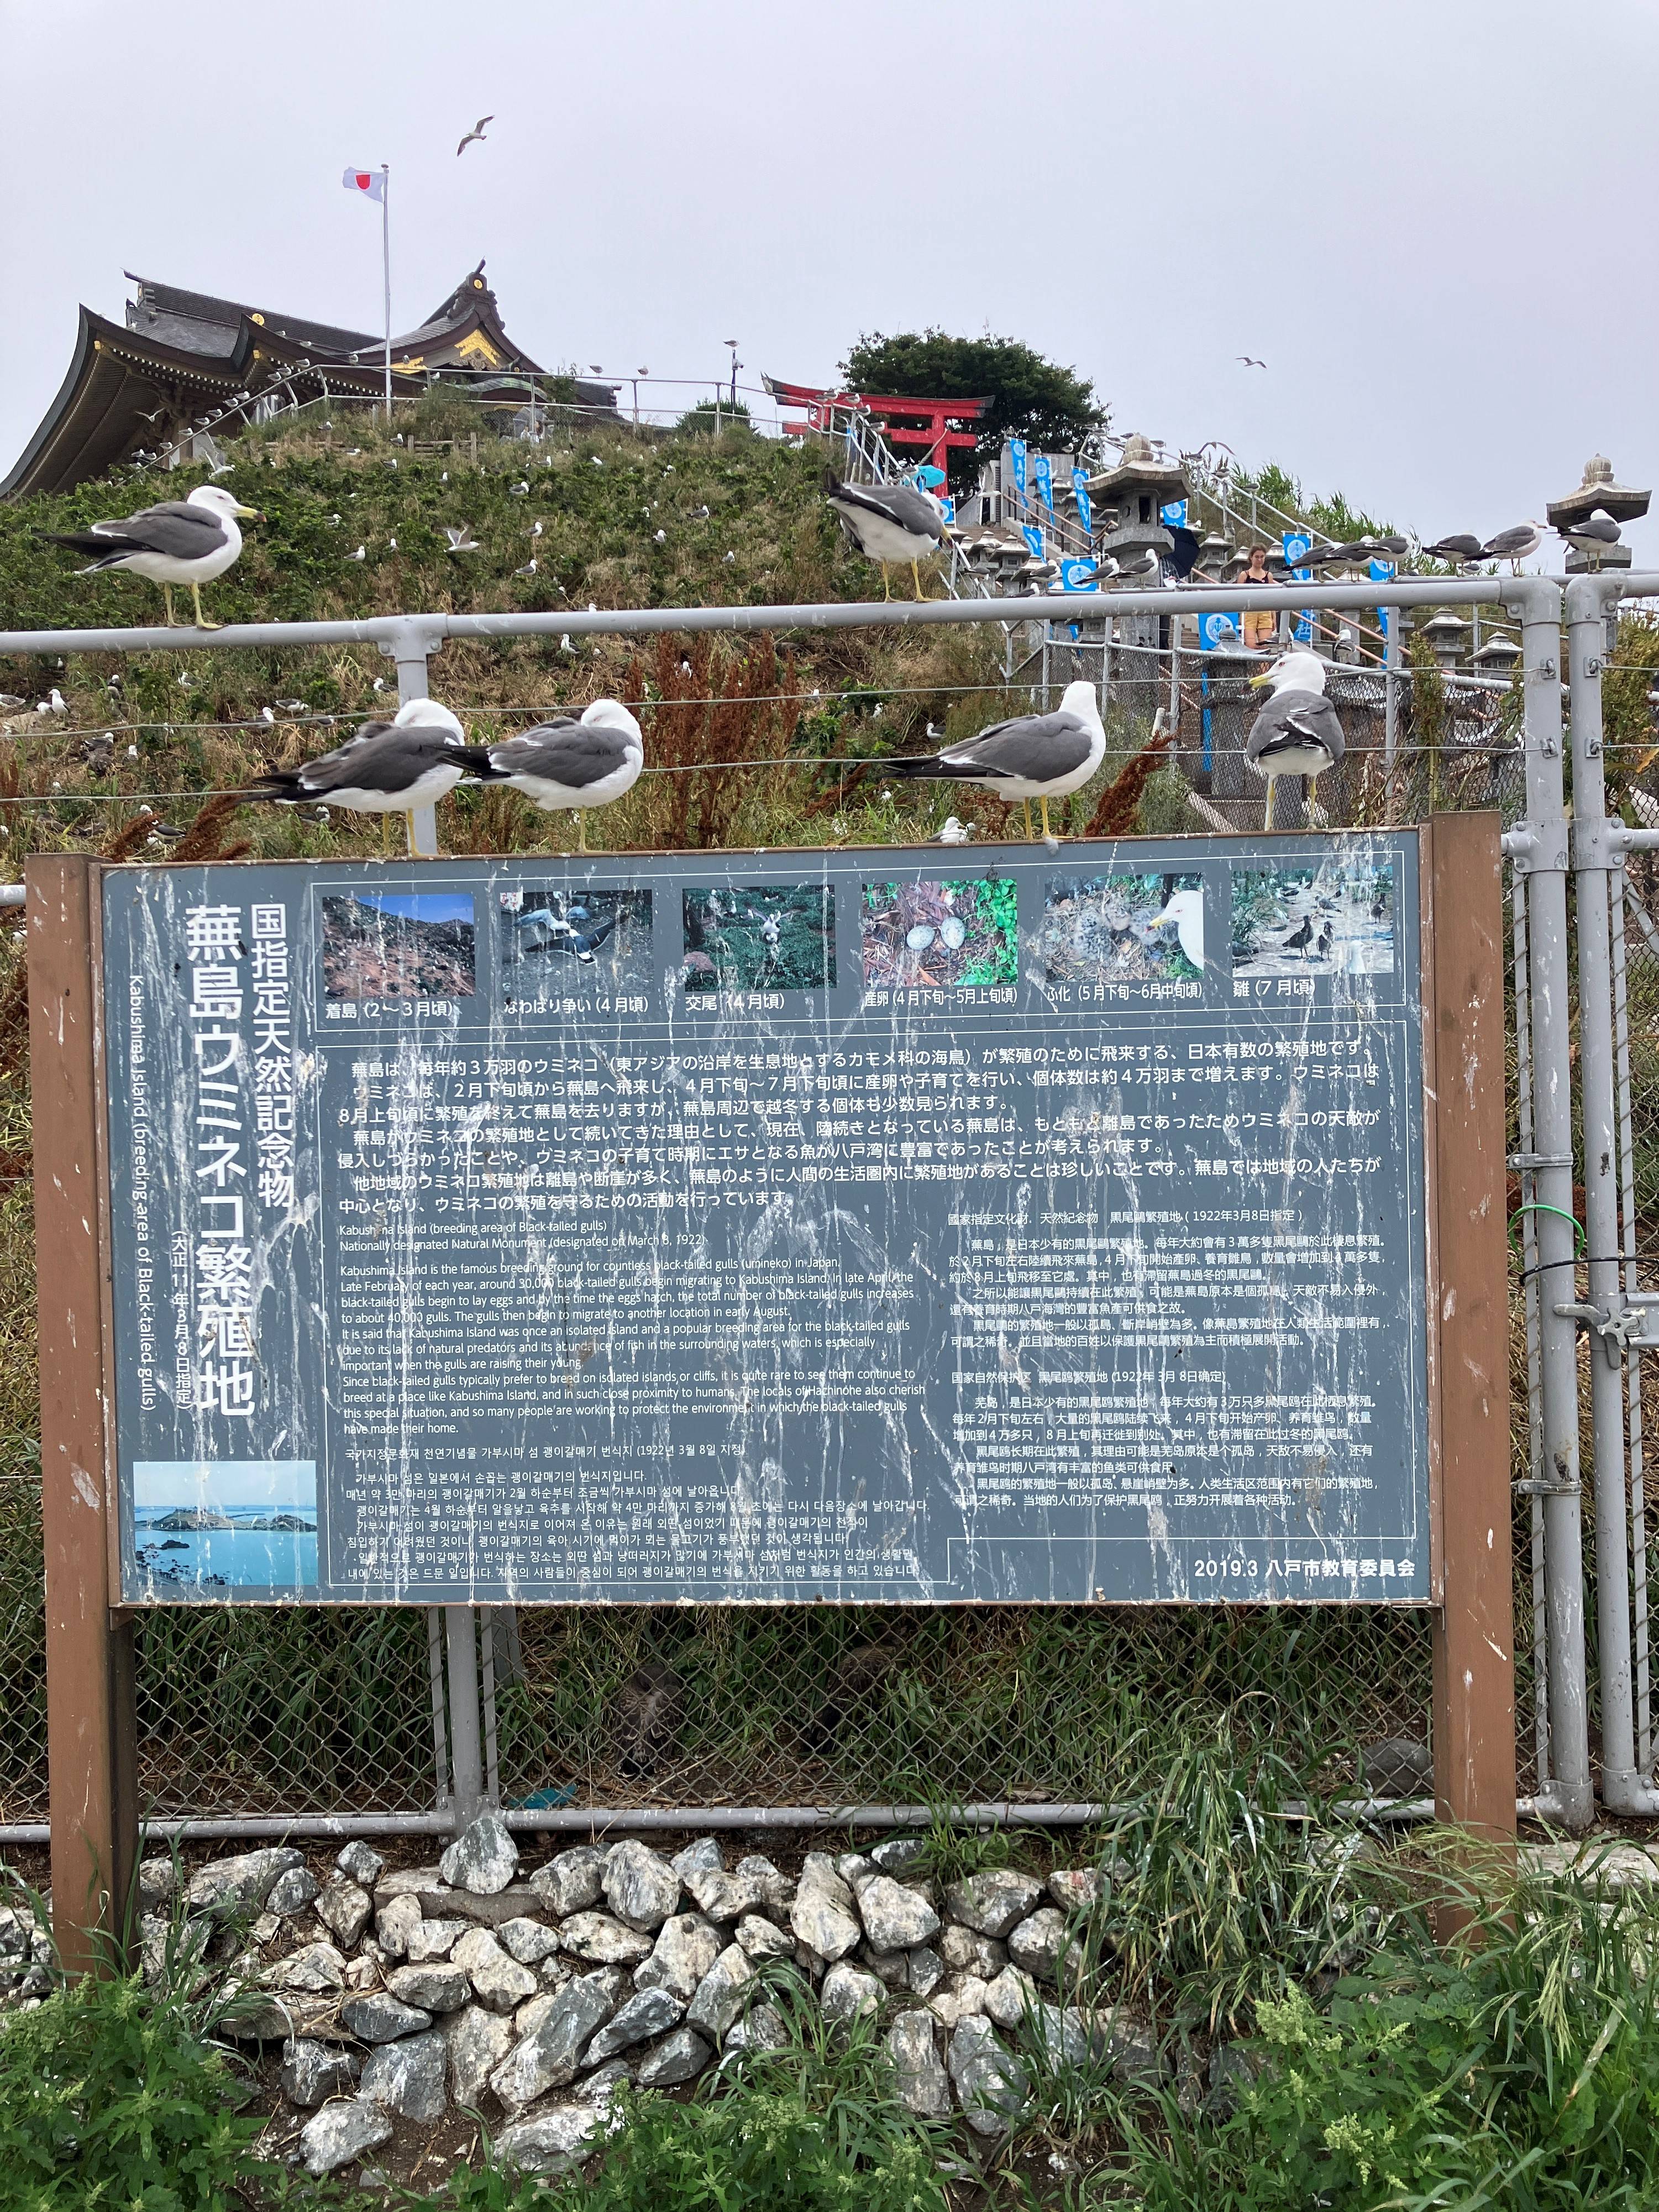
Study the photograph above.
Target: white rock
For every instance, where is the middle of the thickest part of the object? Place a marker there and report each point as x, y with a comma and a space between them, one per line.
919, 2077
721, 1994
847, 1992
483, 1859
703, 1856
407, 1881
1597, 1864
962, 1998
265, 1929
640, 1888
925, 1970
291, 1892
763, 1939
647, 2013
528, 1941
895, 1918
477, 2040
993, 1902
440, 1987
777, 1892
500, 1981
596, 1937
342, 2132
1036, 1943
394, 1923
377, 2018
360, 1865
343, 1908
821, 1915
553, 2142
723, 1897
965, 1953
761, 2029
1074, 1889
550, 2058
890, 1968
1009, 1996
682, 2058
408, 2077
687, 1947
571, 1881
600, 2087
899, 1853
432, 1939
855, 1870
313, 2072
990, 2082
159, 1877
227, 1886
313, 1971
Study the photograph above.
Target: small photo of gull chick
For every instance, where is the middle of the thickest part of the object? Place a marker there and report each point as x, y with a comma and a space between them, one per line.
1122, 929
1335, 918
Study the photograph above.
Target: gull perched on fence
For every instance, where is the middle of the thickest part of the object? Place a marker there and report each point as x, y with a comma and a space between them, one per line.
1040, 757
890, 522
1298, 732
183, 541
568, 764
388, 767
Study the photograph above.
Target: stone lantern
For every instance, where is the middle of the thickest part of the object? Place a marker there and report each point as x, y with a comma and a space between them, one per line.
1498, 655
1448, 636
1598, 492
1130, 496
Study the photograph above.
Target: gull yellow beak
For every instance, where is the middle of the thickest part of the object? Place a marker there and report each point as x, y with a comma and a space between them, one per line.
248, 514
1265, 676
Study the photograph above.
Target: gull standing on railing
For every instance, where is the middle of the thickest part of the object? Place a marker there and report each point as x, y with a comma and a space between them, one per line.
1298, 732
568, 764
183, 541
890, 522
388, 767
1040, 757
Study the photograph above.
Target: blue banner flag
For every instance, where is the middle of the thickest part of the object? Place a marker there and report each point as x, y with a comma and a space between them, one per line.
1298, 543
947, 506
1016, 462
1216, 630
1383, 572
1086, 513
1174, 515
1032, 533
1042, 469
1079, 575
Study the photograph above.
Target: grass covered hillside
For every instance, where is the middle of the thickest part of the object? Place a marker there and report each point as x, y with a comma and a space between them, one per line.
607, 517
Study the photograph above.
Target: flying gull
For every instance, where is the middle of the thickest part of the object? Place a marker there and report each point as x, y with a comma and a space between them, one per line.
1040, 757
1298, 732
1514, 546
474, 136
183, 541
387, 767
890, 522
567, 764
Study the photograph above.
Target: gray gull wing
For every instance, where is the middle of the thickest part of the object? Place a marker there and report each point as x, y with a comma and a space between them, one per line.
175, 528
574, 754
1291, 723
1034, 748
390, 763
902, 504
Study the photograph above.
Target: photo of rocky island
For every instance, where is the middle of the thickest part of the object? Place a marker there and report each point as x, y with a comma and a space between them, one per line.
199, 1527
399, 945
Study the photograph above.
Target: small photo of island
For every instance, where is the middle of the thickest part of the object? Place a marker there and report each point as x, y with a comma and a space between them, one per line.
399, 945
201, 1526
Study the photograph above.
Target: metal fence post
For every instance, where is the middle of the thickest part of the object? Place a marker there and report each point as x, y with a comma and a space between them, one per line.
408, 650
1544, 856
1598, 874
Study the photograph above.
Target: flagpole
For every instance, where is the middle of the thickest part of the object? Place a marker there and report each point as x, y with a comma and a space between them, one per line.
385, 269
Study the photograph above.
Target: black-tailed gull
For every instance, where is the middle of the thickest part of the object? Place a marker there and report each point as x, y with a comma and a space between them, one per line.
890, 522
576, 764
387, 767
1040, 757
183, 541
1514, 546
1298, 732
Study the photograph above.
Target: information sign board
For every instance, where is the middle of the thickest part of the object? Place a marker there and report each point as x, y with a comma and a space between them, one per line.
1021, 1223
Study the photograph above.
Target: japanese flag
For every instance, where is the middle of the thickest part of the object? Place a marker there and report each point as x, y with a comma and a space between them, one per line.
370, 182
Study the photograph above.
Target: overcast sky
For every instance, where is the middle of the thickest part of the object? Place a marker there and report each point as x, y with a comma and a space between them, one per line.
1431, 218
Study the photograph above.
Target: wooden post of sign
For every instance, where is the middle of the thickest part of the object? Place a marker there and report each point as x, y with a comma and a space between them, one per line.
1475, 1779
91, 1726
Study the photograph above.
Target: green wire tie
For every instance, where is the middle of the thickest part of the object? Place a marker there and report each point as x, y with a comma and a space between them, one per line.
1538, 1206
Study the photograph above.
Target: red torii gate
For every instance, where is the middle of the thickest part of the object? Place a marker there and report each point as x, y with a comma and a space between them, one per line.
925, 422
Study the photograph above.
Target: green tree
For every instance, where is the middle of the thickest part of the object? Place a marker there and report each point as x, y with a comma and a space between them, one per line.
1030, 397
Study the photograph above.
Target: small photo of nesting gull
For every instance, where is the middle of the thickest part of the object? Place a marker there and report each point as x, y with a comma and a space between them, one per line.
556, 939
759, 937
1334, 918
1122, 929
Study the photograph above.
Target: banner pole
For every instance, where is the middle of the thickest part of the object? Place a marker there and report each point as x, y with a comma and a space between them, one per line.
386, 272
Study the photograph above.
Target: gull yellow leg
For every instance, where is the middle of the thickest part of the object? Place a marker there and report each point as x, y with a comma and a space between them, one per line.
203, 622
173, 619
581, 829
1267, 821
1042, 804
886, 582
916, 572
